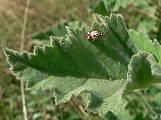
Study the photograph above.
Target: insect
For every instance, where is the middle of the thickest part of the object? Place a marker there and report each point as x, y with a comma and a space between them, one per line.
93, 35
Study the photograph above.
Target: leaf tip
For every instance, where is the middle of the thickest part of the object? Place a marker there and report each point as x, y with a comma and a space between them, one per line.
7, 52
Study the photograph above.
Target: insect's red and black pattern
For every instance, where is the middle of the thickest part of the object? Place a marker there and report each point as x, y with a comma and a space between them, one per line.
93, 35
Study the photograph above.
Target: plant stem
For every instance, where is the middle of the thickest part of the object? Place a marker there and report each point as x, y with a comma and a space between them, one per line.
21, 48
24, 25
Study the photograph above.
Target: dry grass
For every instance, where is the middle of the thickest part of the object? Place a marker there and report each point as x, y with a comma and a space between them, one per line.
42, 13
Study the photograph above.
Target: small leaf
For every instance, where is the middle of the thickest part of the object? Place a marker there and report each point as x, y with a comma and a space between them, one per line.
143, 43
97, 6
143, 71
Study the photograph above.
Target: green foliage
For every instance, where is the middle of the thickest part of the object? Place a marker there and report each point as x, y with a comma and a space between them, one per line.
140, 15
142, 104
104, 69
145, 104
144, 16
143, 43
116, 5
97, 6
143, 71
55, 30
61, 69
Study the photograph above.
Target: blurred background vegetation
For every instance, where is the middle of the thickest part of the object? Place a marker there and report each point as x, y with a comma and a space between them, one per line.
49, 17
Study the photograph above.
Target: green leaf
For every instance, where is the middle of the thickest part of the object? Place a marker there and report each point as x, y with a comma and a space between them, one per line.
55, 30
144, 68
142, 22
116, 5
147, 25
97, 6
143, 71
116, 42
143, 43
75, 65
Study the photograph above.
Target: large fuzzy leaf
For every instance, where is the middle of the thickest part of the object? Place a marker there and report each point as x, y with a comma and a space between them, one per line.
75, 65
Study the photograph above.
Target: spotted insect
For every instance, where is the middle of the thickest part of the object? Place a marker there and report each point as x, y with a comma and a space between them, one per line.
93, 35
